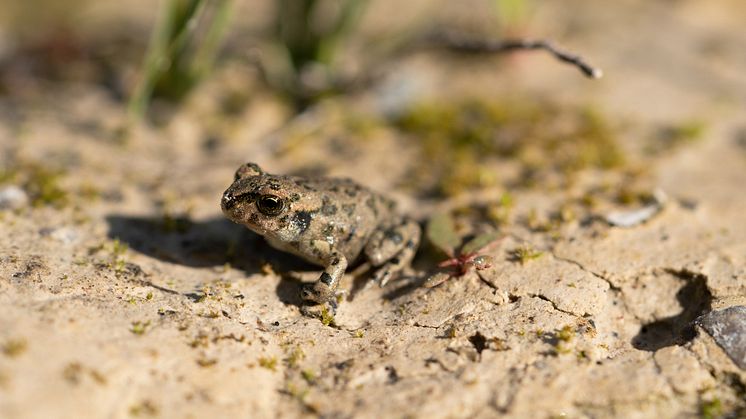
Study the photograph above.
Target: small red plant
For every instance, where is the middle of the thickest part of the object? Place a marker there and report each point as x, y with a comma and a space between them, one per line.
462, 262
461, 258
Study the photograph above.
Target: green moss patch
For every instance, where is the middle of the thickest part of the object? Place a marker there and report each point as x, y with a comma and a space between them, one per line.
459, 138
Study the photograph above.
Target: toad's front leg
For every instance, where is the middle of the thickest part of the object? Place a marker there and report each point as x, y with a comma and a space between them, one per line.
323, 290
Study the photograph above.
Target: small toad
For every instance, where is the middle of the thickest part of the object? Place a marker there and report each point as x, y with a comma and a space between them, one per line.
327, 221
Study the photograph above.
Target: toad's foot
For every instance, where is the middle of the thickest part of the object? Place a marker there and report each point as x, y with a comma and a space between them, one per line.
317, 292
324, 311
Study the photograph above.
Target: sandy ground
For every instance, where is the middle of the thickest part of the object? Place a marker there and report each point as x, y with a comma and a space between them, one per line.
136, 298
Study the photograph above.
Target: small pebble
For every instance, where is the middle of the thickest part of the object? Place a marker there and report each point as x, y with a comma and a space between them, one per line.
728, 328
64, 235
13, 197
638, 216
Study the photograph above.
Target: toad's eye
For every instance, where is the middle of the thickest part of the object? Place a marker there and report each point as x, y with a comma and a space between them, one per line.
270, 204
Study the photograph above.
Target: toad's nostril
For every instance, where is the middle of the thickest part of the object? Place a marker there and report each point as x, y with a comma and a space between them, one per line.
228, 200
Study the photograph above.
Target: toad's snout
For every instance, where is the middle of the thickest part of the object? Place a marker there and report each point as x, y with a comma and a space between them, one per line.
228, 201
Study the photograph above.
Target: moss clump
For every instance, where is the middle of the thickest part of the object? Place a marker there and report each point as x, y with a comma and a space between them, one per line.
327, 317
269, 363
144, 408
40, 182
43, 186
295, 391
500, 212
118, 248
672, 136
711, 409
565, 334
44, 190
14, 347
458, 138
309, 376
525, 253
294, 356
139, 327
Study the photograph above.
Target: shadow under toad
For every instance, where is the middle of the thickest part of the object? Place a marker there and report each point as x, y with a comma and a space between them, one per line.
210, 243
216, 242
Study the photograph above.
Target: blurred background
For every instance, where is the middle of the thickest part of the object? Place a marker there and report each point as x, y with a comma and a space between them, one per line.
122, 122
380, 90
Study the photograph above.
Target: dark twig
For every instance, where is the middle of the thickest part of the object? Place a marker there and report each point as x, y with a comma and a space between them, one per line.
474, 46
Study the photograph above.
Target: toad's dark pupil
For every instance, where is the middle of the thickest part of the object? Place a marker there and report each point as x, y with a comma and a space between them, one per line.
270, 205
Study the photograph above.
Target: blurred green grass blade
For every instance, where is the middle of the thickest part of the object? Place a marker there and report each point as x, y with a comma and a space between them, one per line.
349, 16
177, 58
152, 65
307, 36
209, 47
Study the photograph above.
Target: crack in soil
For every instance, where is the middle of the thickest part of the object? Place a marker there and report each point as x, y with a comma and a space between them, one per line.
584, 269
694, 297
554, 305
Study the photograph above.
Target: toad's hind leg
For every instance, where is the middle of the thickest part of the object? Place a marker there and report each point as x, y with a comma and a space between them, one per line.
391, 250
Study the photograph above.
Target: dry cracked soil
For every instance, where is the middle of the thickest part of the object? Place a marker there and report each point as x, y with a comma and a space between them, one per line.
124, 292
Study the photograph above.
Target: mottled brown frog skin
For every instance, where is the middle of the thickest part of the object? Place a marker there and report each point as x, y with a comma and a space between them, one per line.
327, 221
